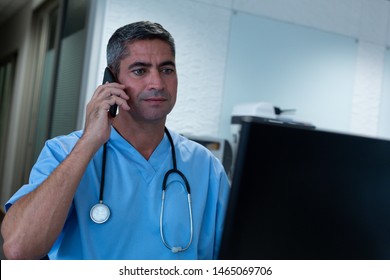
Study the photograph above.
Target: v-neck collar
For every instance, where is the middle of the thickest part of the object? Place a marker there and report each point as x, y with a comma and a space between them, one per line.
148, 168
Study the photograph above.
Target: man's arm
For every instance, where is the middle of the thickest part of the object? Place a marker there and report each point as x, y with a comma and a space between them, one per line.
34, 222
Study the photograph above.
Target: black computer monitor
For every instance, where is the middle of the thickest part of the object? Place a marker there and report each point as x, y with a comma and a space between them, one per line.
306, 194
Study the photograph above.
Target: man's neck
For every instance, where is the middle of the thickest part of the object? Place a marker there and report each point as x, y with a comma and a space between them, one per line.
143, 137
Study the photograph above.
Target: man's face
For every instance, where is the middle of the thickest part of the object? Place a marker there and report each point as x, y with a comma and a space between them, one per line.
149, 76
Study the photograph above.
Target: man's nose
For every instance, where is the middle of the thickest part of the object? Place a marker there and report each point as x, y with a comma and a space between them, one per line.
155, 80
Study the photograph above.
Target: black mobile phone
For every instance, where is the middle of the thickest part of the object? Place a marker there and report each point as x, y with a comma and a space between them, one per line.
109, 77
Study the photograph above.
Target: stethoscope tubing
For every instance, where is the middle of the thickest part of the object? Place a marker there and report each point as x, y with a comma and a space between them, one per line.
176, 249
174, 170
103, 173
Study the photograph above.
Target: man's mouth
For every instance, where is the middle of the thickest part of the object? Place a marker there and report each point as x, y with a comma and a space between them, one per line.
155, 100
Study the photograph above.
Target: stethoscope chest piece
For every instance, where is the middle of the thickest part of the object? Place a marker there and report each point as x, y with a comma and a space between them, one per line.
100, 213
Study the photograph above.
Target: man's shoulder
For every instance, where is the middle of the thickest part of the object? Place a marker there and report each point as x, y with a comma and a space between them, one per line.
184, 142
64, 142
193, 148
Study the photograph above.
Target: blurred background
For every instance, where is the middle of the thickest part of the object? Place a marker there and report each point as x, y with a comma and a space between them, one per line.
329, 60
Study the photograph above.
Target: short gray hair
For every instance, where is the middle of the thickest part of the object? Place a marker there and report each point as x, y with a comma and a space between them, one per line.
142, 30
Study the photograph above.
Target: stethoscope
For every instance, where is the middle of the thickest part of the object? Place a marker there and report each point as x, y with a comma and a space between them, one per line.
100, 212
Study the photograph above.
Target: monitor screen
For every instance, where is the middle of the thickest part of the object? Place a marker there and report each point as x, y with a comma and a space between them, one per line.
307, 194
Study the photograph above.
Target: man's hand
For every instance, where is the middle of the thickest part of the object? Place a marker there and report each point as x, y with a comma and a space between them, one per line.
98, 120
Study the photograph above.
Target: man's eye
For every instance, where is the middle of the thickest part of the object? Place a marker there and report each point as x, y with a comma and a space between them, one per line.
167, 71
139, 72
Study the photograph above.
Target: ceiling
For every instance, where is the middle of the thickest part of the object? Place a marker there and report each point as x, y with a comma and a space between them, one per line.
9, 8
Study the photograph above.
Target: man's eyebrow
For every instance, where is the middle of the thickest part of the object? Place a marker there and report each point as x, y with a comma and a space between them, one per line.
139, 64
168, 63
146, 64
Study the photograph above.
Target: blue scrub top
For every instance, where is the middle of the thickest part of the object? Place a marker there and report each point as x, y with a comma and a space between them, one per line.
133, 191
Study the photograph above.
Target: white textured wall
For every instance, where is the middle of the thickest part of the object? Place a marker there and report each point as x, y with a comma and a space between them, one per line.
201, 36
201, 30
368, 89
365, 20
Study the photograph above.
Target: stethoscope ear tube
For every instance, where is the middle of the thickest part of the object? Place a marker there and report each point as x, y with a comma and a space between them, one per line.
176, 249
169, 172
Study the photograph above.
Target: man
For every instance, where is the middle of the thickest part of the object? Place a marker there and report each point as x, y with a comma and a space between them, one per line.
124, 179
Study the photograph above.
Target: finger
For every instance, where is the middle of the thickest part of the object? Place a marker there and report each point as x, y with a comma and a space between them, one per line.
108, 88
118, 101
113, 86
117, 92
